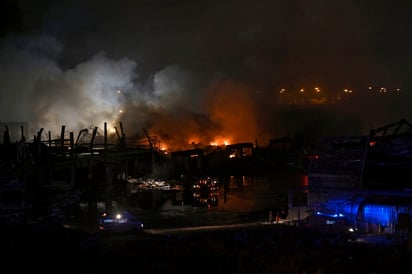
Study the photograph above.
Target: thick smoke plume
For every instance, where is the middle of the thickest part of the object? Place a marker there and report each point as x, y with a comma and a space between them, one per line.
201, 73
100, 90
171, 104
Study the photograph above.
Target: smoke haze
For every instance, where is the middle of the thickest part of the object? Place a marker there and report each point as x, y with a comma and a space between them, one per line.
196, 74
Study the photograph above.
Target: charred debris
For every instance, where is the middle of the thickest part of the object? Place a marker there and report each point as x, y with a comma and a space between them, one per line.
97, 167
92, 157
93, 166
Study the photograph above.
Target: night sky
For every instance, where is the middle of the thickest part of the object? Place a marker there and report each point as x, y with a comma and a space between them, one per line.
193, 72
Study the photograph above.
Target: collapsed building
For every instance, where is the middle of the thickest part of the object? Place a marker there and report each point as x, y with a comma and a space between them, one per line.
362, 181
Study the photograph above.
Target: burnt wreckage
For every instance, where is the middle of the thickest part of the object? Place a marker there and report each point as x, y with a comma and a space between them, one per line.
362, 180
40, 175
382, 159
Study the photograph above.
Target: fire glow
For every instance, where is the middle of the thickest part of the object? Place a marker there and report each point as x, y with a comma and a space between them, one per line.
220, 142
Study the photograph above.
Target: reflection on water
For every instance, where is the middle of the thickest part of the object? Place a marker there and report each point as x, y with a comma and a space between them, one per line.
237, 195
240, 198
249, 193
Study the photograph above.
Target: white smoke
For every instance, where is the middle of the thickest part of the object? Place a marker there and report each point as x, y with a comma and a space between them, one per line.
89, 94
45, 96
97, 91
173, 88
23, 66
36, 91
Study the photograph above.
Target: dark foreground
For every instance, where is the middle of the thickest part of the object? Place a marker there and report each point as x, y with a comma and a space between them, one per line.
253, 249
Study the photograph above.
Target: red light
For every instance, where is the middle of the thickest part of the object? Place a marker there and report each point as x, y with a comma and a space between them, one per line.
313, 156
305, 180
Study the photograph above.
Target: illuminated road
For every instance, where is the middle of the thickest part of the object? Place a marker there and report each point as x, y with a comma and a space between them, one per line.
178, 230
367, 238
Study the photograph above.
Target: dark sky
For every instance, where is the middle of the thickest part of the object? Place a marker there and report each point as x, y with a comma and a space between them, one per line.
198, 65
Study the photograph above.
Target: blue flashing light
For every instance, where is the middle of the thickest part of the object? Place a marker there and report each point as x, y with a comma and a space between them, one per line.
379, 214
335, 215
